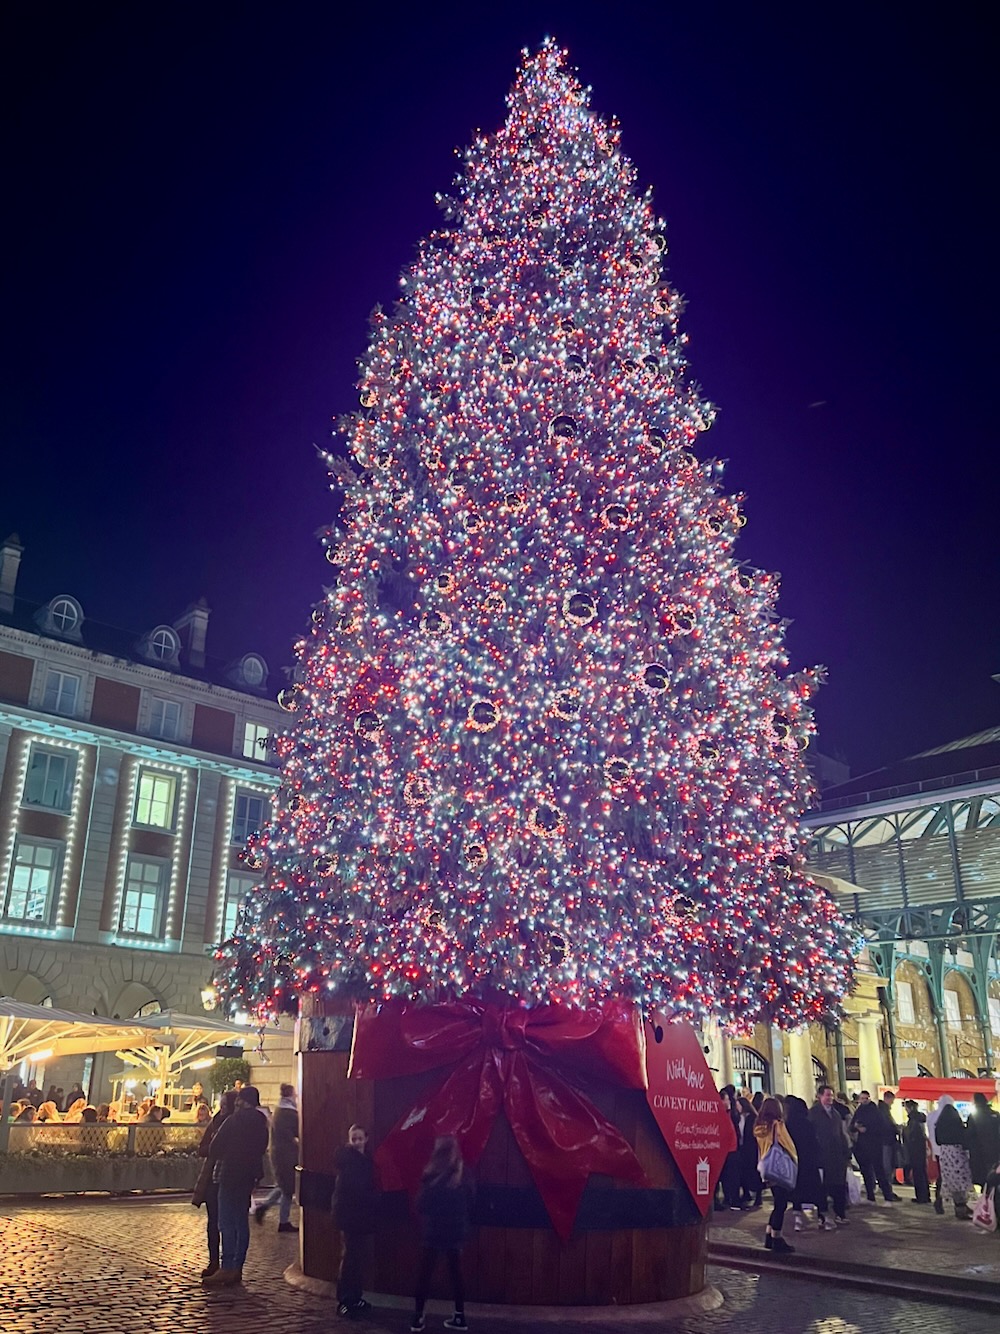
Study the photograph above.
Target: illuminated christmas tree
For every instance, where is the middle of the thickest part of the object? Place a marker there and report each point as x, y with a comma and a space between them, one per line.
541, 746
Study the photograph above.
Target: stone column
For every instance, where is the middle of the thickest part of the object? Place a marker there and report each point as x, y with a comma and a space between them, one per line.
870, 1052
779, 1080
801, 1081
726, 1048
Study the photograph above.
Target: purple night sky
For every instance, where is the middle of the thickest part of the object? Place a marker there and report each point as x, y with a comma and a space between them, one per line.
204, 203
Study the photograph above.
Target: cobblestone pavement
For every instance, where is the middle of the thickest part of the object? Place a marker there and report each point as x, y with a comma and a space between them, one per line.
899, 1237
131, 1266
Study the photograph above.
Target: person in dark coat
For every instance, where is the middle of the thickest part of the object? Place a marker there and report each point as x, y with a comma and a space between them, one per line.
808, 1183
443, 1210
284, 1160
982, 1132
355, 1204
209, 1191
891, 1139
751, 1186
237, 1149
867, 1125
729, 1177
915, 1143
834, 1149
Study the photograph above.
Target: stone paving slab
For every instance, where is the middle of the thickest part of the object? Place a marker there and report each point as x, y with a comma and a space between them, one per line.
130, 1266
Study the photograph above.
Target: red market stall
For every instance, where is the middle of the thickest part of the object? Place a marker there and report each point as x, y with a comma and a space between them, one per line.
924, 1088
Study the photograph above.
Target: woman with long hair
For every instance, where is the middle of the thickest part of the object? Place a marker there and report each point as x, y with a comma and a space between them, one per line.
769, 1130
808, 1183
443, 1209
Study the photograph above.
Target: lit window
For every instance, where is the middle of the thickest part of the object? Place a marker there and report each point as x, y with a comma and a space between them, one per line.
33, 881
994, 1004
255, 741
62, 692
249, 814
143, 898
65, 616
49, 780
237, 888
151, 1007
165, 719
904, 1003
163, 644
952, 1009
155, 799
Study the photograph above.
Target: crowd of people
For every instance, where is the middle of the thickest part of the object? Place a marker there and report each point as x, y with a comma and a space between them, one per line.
233, 1148
803, 1155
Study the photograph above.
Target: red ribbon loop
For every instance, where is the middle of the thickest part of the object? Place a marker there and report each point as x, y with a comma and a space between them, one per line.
529, 1062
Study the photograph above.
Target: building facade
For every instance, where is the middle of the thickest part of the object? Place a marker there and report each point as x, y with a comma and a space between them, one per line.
912, 853
132, 769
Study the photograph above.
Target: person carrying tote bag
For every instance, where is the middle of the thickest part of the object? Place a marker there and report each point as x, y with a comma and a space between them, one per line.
778, 1166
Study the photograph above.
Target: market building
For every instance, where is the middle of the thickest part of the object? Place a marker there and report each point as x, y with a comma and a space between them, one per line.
132, 768
912, 853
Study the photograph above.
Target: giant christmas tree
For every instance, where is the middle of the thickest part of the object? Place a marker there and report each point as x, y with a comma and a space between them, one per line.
542, 746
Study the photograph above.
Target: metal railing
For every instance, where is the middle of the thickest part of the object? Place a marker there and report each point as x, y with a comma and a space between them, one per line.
103, 1138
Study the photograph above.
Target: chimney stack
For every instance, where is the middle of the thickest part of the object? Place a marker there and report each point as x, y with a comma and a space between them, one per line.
192, 627
10, 562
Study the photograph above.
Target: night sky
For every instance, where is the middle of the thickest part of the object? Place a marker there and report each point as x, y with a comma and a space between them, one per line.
205, 202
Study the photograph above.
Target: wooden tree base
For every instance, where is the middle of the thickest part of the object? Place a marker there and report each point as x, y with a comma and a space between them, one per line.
629, 1245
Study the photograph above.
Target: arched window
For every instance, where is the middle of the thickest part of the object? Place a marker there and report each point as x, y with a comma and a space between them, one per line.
65, 615
163, 644
751, 1069
254, 670
150, 1007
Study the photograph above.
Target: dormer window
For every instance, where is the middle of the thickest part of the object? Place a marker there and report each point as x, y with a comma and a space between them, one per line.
162, 645
248, 672
63, 616
254, 670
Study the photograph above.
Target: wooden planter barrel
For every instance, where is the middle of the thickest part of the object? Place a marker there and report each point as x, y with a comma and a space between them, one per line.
628, 1245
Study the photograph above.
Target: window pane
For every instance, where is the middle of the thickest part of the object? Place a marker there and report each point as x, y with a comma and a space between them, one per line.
49, 780
154, 802
31, 888
61, 690
165, 718
63, 615
952, 1009
238, 887
904, 1002
142, 901
255, 738
249, 814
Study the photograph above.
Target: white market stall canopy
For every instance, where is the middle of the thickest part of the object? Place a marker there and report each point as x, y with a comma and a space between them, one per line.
39, 1033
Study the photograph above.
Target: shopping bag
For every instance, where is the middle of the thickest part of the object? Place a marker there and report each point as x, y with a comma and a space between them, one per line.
777, 1166
985, 1215
853, 1188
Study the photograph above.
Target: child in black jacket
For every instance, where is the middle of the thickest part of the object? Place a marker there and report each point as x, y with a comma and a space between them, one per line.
443, 1209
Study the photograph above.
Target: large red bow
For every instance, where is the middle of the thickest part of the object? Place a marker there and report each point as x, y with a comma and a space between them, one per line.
521, 1060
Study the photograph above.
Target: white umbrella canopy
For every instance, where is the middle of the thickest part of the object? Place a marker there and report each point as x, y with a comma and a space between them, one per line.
29, 1029
180, 1041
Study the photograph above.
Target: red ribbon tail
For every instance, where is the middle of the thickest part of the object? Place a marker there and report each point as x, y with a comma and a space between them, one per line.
563, 1137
